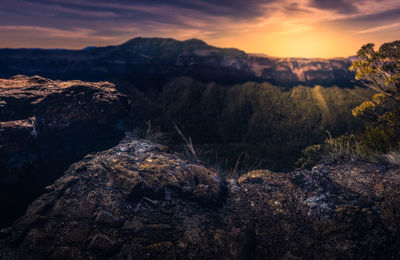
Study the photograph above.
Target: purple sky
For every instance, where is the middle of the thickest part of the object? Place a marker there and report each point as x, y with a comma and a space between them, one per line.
307, 28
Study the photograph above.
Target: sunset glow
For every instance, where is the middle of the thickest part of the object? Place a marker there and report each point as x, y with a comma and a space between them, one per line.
305, 28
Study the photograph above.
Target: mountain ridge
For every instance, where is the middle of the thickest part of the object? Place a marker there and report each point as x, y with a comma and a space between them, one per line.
258, 54
144, 60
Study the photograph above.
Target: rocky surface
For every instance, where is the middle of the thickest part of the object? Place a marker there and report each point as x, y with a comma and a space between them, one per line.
151, 62
137, 201
45, 126
134, 200
342, 211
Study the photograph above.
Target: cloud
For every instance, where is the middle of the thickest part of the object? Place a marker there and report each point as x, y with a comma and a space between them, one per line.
76, 23
363, 22
49, 32
295, 8
341, 6
297, 29
237, 9
380, 28
376, 17
126, 19
104, 15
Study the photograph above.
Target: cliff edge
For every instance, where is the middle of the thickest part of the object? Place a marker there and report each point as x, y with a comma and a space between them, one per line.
138, 200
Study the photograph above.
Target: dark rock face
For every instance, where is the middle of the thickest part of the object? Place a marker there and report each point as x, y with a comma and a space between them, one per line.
46, 125
136, 201
152, 62
345, 211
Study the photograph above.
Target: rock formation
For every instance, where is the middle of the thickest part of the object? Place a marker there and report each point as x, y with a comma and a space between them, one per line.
46, 125
348, 210
137, 201
134, 200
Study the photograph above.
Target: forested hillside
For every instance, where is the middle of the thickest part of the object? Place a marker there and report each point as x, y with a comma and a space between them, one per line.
259, 124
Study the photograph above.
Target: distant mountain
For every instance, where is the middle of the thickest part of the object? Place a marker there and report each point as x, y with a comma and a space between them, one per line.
145, 61
88, 48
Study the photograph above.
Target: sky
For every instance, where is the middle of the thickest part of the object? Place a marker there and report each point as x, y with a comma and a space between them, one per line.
281, 28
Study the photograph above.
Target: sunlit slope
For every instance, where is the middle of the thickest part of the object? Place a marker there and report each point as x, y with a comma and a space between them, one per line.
266, 122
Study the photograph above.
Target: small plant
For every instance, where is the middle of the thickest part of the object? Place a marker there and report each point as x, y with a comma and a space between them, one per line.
373, 145
346, 147
243, 165
148, 132
190, 152
393, 158
152, 134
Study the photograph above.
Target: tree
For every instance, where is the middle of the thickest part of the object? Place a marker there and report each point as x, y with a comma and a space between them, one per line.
380, 70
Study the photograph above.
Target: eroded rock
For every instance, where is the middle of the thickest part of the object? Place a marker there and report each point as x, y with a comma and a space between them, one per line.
128, 201
45, 126
181, 210
332, 211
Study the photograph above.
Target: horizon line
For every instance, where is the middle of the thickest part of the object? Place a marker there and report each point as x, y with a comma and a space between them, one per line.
260, 55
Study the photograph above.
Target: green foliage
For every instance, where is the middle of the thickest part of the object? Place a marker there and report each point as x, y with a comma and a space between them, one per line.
382, 111
380, 70
365, 107
257, 124
376, 139
311, 155
373, 144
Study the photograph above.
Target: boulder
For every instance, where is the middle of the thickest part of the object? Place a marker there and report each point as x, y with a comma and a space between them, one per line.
131, 200
46, 125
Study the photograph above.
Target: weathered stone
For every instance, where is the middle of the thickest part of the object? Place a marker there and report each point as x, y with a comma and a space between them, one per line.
102, 245
105, 218
97, 209
45, 126
76, 231
333, 211
66, 252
